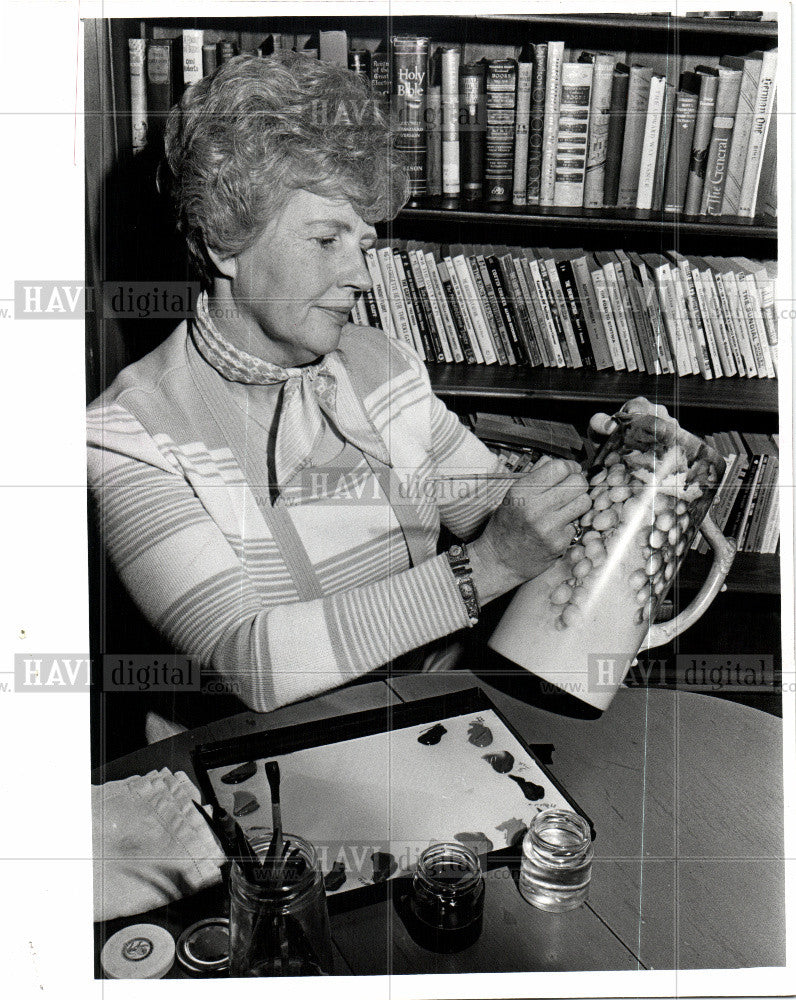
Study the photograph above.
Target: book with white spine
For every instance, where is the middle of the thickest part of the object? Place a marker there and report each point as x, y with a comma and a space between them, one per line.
446, 319
573, 134
379, 291
649, 143
464, 311
192, 41
761, 122
598, 129
138, 111
552, 104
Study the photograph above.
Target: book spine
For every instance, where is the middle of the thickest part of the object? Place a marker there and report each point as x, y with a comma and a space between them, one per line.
711, 318
521, 126
662, 351
395, 300
640, 318
607, 316
650, 142
138, 110
520, 301
535, 269
537, 342
615, 296
501, 100
767, 183
489, 305
729, 323
751, 529
552, 104
448, 326
379, 291
192, 39
227, 49
450, 123
536, 124
441, 337
503, 295
409, 306
744, 116
547, 269
576, 319
573, 134
754, 317
591, 314
670, 297
694, 328
371, 309
761, 122
359, 62
680, 153
380, 78
410, 78
473, 302
472, 132
720, 139
434, 140
599, 118
617, 115
663, 148
358, 314
422, 306
461, 316
643, 360
160, 80
744, 334
637, 100
699, 150
457, 319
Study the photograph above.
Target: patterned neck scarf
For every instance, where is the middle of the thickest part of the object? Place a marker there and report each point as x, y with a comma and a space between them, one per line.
309, 394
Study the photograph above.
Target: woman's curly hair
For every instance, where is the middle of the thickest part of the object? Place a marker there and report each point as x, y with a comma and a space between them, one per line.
240, 140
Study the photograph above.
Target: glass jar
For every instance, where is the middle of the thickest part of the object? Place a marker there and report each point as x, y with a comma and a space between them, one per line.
556, 861
447, 898
280, 929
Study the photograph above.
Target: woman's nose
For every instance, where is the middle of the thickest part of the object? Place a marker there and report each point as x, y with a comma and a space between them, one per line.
355, 273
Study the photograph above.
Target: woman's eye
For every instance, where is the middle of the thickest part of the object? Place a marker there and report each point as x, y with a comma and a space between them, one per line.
326, 241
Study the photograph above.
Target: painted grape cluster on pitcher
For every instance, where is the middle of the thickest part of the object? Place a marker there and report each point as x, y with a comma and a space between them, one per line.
649, 492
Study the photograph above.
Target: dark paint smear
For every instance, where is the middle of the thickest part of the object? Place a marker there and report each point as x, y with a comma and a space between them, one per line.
384, 865
478, 843
336, 877
544, 751
432, 736
531, 791
244, 804
479, 734
241, 773
501, 762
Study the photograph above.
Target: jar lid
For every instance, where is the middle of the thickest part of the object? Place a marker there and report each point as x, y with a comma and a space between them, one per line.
140, 951
204, 946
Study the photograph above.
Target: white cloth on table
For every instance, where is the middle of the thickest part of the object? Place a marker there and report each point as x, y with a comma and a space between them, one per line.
151, 847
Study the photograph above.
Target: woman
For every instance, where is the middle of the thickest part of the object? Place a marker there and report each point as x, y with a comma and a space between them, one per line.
269, 476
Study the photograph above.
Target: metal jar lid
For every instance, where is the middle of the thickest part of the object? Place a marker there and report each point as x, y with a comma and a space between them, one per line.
203, 948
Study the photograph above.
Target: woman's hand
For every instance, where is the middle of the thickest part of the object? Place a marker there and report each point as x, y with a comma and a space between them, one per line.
531, 528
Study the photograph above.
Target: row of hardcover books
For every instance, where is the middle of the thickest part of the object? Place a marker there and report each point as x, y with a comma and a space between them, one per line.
660, 313
549, 129
746, 506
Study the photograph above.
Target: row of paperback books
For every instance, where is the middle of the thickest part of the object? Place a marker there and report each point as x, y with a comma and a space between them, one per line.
746, 506
555, 127
660, 313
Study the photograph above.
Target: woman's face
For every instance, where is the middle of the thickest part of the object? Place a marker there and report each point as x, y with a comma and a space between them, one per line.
298, 282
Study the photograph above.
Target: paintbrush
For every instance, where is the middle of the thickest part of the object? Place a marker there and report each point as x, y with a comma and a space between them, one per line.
276, 845
218, 830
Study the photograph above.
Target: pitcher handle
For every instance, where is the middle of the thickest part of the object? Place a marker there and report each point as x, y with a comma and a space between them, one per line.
724, 550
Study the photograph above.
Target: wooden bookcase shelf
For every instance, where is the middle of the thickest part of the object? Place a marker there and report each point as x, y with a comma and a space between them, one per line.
711, 27
751, 573
484, 382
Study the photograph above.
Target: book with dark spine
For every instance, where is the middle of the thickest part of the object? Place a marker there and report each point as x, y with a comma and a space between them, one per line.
589, 308
359, 62
403, 272
429, 297
685, 111
441, 300
567, 278
483, 282
420, 300
727, 94
501, 101
209, 58
518, 308
616, 133
456, 312
434, 134
161, 83
409, 82
472, 130
552, 301
639, 315
537, 351
662, 157
536, 124
226, 50
380, 65
708, 85
503, 293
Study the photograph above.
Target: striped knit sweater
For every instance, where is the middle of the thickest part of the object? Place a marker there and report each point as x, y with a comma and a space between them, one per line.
290, 598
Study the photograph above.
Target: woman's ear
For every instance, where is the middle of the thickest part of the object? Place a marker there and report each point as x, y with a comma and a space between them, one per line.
227, 267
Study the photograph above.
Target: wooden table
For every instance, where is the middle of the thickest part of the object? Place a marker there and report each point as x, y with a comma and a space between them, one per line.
685, 792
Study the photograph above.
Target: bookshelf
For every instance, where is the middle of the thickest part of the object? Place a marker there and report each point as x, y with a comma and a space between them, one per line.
750, 403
